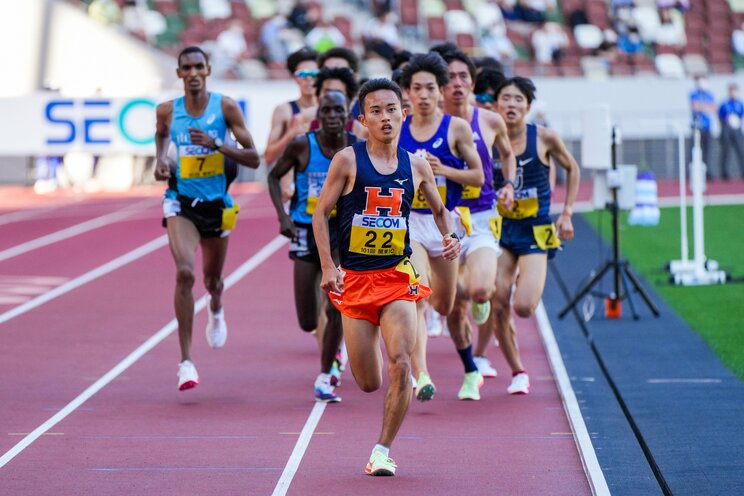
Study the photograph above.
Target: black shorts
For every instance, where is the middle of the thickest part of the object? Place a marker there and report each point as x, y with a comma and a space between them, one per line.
302, 247
205, 215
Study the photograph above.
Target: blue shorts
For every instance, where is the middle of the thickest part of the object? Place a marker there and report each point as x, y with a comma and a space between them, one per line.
518, 236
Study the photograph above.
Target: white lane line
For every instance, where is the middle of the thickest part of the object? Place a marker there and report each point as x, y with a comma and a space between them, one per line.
102, 270
588, 456
250, 264
26, 214
71, 231
299, 450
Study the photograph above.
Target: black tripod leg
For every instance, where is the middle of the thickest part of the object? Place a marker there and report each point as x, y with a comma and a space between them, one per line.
587, 287
644, 295
626, 287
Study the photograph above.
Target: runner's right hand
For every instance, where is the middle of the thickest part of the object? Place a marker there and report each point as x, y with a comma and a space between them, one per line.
287, 227
332, 280
163, 169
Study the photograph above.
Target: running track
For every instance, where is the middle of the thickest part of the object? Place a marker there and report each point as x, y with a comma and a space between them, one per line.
87, 281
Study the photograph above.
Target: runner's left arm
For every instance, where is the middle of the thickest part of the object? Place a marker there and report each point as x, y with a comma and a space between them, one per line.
423, 179
557, 150
463, 140
248, 155
508, 160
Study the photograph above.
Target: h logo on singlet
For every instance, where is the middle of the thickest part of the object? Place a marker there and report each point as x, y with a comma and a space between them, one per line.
376, 202
413, 290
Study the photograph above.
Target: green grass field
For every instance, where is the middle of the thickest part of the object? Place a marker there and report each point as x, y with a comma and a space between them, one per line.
716, 312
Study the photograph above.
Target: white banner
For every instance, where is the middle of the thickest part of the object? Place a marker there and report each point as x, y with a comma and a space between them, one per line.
50, 124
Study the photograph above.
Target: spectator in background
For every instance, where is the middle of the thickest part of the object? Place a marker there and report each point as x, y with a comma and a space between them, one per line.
630, 42
737, 40
144, 23
548, 43
298, 18
380, 36
703, 107
731, 114
671, 31
533, 11
324, 36
230, 49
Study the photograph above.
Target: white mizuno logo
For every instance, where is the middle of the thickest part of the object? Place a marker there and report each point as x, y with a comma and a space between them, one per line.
211, 119
437, 143
400, 181
522, 163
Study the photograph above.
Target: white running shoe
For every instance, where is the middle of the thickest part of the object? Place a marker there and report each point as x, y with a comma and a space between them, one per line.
484, 366
216, 327
324, 392
520, 384
187, 376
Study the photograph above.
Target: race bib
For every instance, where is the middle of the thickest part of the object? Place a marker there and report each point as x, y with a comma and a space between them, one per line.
195, 163
546, 237
470, 192
230, 217
465, 219
495, 225
377, 235
406, 267
525, 205
419, 202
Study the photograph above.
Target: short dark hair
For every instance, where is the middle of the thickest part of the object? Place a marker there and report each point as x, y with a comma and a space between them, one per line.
377, 85
342, 74
431, 62
302, 55
192, 49
523, 84
488, 79
444, 48
453, 55
483, 63
400, 58
341, 53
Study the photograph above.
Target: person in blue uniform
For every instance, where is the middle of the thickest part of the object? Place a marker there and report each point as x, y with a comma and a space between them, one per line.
731, 116
197, 209
447, 144
372, 186
528, 232
309, 156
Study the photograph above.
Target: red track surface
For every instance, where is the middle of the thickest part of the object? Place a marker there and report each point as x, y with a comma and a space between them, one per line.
235, 432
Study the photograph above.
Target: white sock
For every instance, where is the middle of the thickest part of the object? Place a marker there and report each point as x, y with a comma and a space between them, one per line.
325, 378
382, 449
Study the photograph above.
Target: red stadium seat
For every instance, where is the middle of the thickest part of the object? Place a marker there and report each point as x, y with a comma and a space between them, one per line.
409, 13
436, 29
465, 41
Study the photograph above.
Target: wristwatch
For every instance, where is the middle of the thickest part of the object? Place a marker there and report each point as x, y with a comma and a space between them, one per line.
452, 235
508, 181
217, 144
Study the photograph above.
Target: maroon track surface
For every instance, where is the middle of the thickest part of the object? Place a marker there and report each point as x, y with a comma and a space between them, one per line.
235, 432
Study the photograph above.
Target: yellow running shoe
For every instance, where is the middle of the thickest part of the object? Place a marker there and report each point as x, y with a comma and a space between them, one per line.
380, 464
425, 389
480, 312
470, 386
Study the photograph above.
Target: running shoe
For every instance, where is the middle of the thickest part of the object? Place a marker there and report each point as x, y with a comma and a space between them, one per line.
480, 312
484, 366
380, 464
520, 384
216, 327
324, 391
470, 386
425, 389
187, 376
335, 374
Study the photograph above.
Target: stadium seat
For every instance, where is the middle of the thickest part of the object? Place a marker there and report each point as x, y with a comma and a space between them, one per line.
459, 21
588, 36
648, 22
669, 66
594, 67
695, 64
465, 41
436, 29
409, 13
